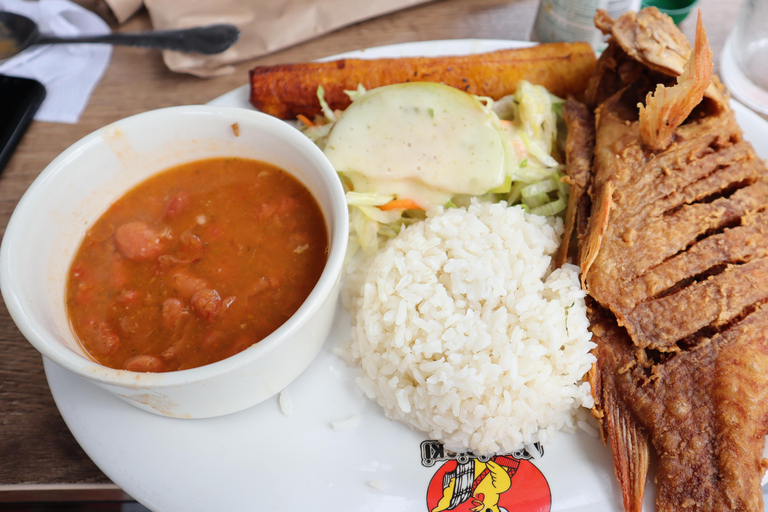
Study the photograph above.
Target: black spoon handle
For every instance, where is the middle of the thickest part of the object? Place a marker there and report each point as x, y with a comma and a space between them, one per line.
208, 40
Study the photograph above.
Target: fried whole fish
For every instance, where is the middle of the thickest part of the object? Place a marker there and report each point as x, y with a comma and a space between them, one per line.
672, 237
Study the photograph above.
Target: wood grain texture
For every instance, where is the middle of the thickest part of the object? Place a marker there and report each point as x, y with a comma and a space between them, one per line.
36, 448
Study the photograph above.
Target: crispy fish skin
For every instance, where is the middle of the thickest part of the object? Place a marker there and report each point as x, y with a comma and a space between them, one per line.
289, 90
676, 255
742, 411
579, 151
706, 411
671, 215
648, 39
629, 440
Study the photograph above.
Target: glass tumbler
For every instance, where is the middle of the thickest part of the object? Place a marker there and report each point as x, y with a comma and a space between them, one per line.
745, 57
751, 41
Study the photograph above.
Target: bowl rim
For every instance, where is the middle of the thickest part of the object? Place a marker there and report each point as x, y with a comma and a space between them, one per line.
57, 351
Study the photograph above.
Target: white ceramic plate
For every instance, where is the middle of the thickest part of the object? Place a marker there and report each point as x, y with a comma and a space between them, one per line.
261, 459
741, 86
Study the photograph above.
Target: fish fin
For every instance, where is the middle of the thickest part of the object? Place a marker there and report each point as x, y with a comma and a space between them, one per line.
595, 383
667, 107
579, 153
630, 447
598, 224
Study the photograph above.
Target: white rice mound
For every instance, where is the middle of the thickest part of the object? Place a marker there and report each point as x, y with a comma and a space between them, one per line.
464, 331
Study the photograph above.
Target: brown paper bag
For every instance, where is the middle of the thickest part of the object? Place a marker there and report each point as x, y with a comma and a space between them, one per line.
265, 25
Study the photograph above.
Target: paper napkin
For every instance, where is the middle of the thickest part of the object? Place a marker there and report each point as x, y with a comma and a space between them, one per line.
69, 72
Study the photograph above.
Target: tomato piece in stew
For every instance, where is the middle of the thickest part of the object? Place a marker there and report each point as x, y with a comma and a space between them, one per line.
195, 265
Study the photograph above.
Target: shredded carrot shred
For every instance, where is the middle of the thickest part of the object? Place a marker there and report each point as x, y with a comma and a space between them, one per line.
304, 119
401, 204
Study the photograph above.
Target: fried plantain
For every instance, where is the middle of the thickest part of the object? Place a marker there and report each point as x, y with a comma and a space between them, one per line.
289, 90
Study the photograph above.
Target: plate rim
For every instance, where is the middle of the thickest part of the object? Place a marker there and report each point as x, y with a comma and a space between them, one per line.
76, 423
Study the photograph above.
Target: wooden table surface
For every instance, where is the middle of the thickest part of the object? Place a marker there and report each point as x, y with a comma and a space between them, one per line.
39, 458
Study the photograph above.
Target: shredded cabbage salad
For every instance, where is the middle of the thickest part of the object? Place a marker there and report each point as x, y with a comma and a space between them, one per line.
532, 125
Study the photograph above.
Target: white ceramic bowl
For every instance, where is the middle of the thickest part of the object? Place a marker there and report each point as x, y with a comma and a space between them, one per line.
49, 222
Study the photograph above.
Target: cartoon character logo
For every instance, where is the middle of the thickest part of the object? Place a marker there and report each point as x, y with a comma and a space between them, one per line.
469, 483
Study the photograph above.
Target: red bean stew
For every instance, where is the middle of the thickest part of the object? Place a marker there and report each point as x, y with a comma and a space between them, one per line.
195, 264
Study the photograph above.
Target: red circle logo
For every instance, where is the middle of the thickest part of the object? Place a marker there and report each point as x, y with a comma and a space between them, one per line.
501, 484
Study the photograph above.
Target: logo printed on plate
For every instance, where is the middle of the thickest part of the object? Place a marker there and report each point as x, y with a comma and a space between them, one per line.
465, 482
